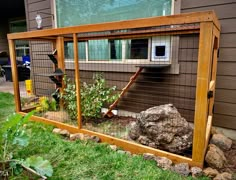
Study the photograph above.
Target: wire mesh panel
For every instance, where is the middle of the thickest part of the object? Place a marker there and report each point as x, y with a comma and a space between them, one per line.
42, 88
121, 77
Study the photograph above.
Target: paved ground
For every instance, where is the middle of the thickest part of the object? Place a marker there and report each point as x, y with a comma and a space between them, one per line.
6, 86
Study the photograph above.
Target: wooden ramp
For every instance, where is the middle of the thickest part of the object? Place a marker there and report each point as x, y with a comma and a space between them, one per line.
124, 90
131, 81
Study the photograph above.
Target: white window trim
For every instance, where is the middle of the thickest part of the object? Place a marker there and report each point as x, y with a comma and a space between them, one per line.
128, 61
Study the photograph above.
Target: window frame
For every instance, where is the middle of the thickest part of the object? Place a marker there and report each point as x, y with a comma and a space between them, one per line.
25, 47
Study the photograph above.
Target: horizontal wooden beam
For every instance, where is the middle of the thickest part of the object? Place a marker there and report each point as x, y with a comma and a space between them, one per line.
185, 18
82, 39
138, 34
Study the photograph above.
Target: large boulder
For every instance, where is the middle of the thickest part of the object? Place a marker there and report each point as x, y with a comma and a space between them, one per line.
162, 127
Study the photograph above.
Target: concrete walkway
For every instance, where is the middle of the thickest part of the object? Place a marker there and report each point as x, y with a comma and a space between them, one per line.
6, 86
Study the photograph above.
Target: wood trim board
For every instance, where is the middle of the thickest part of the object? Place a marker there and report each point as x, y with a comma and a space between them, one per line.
184, 18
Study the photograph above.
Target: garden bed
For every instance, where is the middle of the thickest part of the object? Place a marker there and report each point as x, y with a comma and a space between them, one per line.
117, 126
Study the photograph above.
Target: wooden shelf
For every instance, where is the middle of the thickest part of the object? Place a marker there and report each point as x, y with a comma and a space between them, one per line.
53, 76
153, 65
53, 59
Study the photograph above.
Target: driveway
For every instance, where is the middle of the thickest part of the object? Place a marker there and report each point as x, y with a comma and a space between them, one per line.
6, 86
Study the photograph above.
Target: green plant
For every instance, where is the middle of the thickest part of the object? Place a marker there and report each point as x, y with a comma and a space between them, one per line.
93, 97
13, 135
46, 104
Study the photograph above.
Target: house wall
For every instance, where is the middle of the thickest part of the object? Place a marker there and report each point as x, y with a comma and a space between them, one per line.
152, 87
40, 63
225, 100
32, 7
4, 29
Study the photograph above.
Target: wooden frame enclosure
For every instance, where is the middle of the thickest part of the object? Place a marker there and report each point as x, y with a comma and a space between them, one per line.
207, 27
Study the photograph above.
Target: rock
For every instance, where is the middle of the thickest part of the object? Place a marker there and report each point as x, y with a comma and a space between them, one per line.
149, 156
162, 127
210, 172
214, 130
182, 169
221, 141
62, 132
113, 147
215, 157
223, 176
196, 171
128, 153
164, 163
95, 139
135, 131
60, 116
56, 130
124, 152
76, 136
121, 152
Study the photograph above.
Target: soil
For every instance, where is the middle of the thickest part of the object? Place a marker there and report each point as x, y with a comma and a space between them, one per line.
121, 120
117, 126
231, 159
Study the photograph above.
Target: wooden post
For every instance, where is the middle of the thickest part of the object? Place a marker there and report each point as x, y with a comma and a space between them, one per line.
212, 84
14, 71
201, 104
61, 63
60, 52
77, 79
215, 43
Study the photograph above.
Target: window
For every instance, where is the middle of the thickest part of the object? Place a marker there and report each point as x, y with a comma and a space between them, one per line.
22, 47
137, 49
115, 48
69, 50
122, 51
78, 12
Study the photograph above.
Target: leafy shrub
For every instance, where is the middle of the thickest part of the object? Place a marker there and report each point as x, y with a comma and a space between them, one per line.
13, 135
69, 98
93, 97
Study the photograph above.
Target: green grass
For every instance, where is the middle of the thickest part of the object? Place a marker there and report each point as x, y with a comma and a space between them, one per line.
85, 160
88, 160
6, 105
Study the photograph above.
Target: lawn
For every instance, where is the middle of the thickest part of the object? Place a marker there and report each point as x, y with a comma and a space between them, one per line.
6, 105
80, 159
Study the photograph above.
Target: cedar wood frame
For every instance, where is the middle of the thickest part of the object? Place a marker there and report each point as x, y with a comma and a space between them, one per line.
209, 30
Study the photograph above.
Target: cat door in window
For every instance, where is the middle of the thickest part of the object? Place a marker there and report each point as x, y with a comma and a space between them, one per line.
161, 48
